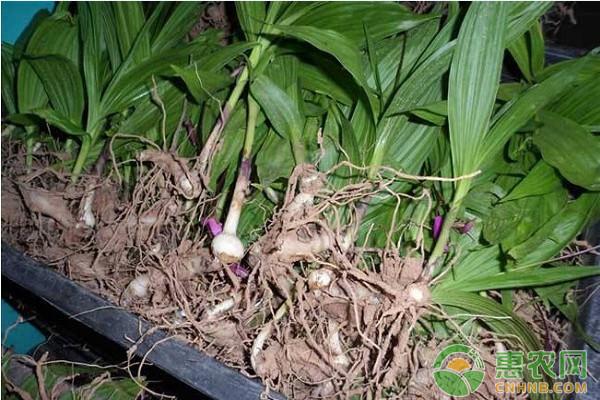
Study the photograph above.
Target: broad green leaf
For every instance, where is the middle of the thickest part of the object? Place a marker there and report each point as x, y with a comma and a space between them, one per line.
23, 39
528, 52
62, 122
62, 83
520, 278
129, 20
473, 82
117, 389
54, 35
538, 54
491, 313
486, 261
225, 161
24, 119
125, 89
340, 47
52, 375
107, 23
274, 160
144, 117
201, 83
348, 18
90, 20
373, 61
509, 90
513, 222
57, 34
519, 50
435, 113
540, 180
517, 112
571, 149
522, 15
411, 92
280, 109
320, 79
349, 141
554, 235
251, 15
581, 102
222, 56
178, 25
9, 99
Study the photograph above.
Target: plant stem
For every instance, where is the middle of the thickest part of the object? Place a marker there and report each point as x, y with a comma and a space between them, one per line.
243, 179
251, 128
232, 101
29, 157
86, 145
433, 266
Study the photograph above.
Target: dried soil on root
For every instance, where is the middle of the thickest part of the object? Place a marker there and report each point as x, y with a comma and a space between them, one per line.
313, 319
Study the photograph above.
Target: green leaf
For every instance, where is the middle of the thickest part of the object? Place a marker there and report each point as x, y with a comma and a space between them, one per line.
486, 261
106, 21
61, 121
178, 25
373, 61
538, 53
321, 78
571, 149
62, 83
54, 35
122, 389
554, 235
143, 119
581, 102
340, 47
274, 159
9, 99
57, 34
520, 53
280, 109
528, 52
474, 76
436, 113
517, 112
348, 18
128, 23
493, 314
251, 15
411, 93
125, 89
90, 20
513, 222
540, 180
201, 83
519, 278
522, 15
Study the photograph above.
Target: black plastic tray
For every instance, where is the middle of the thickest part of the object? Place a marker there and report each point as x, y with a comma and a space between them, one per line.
176, 358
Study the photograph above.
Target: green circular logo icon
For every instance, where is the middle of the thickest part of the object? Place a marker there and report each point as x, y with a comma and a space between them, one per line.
458, 370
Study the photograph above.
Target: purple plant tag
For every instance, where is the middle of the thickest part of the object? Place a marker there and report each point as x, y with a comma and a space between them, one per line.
438, 220
239, 270
214, 226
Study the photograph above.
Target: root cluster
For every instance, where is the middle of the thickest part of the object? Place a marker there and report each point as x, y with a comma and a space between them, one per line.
315, 317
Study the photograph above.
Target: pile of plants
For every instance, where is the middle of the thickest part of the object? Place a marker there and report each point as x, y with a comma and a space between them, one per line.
323, 198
